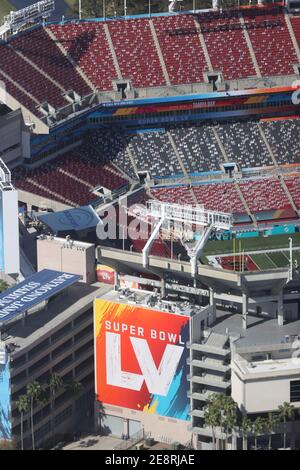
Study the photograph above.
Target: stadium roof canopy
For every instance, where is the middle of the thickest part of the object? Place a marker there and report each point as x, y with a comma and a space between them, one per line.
77, 219
34, 290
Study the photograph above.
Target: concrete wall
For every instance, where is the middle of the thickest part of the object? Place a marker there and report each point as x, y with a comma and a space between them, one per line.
10, 222
57, 256
162, 429
263, 394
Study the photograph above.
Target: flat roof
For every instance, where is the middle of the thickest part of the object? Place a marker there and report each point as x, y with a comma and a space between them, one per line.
272, 365
143, 299
65, 243
77, 219
260, 332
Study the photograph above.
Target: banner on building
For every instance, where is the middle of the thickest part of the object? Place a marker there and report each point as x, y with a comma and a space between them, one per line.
141, 359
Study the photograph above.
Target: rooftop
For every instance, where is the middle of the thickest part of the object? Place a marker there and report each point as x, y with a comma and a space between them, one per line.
153, 301
261, 331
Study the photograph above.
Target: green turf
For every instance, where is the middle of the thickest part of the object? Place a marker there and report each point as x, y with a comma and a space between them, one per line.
296, 256
262, 261
252, 244
279, 259
5, 8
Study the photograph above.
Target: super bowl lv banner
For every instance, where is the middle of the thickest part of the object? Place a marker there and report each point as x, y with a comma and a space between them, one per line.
141, 359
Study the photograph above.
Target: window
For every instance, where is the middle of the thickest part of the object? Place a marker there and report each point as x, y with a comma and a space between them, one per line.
295, 390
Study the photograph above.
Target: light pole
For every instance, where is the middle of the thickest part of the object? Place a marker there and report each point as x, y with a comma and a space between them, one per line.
149, 8
291, 257
104, 9
125, 8
79, 8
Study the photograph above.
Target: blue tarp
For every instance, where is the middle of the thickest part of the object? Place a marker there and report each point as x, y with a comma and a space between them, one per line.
77, 219
34, 290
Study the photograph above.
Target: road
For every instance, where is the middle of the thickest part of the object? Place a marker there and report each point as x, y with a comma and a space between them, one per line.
61, 8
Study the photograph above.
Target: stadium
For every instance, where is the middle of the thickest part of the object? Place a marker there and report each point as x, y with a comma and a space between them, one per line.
192, 118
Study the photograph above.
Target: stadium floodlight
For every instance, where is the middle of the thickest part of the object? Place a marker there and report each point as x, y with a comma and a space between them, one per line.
16, 20
188, 216
291, 258
172, 5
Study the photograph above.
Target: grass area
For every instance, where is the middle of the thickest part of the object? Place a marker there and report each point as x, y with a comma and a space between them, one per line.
262, 261
277, 259
5, 8
252, 244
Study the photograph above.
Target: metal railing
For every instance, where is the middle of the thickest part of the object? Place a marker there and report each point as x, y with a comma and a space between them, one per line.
128, 443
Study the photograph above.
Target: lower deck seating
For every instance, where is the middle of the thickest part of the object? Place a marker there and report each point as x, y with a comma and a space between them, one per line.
293, 185
264, 194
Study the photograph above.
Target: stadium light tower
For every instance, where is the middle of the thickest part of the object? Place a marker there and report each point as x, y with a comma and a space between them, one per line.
187, 216
291, 258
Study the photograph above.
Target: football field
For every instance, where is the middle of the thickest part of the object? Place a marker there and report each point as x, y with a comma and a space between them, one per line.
260, 253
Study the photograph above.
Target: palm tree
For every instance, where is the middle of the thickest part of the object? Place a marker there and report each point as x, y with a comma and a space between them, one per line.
271, 425
34, 392
221, 412
229, 412
55, 384
23, 407
211, 419
285, 411
246, 429
74, 387
258, 428
3, 285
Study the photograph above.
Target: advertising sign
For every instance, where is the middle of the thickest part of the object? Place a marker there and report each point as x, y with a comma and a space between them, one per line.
106, 274
34, 290
141, 359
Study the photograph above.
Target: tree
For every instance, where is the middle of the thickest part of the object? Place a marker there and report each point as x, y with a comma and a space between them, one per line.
34, 393
221, 412
258, 429
3, 285
55, 384
23, 407
246, 428
271, 425
286, 411
230, 415
74, 387
211, 419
